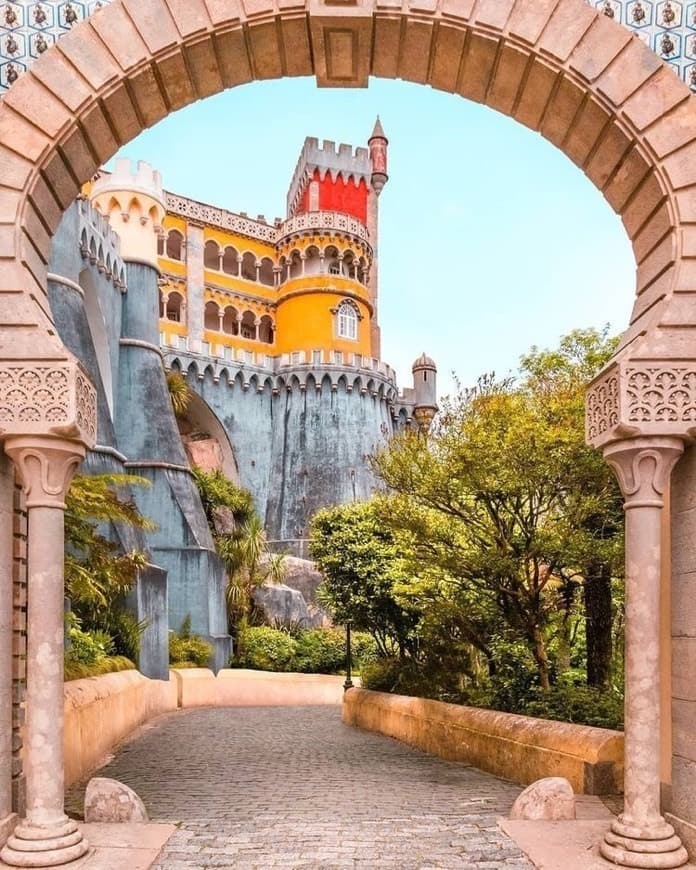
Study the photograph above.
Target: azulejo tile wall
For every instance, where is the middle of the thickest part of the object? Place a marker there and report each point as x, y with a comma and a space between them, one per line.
28, 28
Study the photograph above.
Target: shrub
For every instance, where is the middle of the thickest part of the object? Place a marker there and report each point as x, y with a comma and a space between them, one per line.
266, 649
87, 647
320, 651
303, 650
580, 704
107, 665
188, 649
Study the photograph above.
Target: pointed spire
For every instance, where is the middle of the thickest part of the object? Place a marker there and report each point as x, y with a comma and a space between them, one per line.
378, 132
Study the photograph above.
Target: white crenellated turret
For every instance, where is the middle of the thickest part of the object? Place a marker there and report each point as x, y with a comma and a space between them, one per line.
134, 203
425, 389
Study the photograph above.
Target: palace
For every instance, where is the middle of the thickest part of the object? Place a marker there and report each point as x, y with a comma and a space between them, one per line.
275, 327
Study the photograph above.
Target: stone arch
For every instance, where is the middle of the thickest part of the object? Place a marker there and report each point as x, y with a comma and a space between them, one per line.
557, 66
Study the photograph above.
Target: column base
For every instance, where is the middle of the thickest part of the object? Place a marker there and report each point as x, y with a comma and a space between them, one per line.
654, 847
35, 846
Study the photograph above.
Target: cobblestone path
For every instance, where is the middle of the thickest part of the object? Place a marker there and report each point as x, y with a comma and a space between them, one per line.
293, 787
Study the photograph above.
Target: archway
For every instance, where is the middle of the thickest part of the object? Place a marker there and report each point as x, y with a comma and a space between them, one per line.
557, 66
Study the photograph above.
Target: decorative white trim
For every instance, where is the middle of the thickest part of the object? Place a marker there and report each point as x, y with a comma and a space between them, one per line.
66, 282
109, 451
136, 342
171, 466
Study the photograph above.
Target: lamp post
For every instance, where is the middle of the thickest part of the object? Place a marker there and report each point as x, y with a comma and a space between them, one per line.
349, 682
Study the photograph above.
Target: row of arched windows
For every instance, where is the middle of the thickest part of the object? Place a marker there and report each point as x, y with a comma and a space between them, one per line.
245, 265
247, 324
312, 261
244, 324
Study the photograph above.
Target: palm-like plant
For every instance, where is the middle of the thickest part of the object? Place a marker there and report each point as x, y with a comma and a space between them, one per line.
179, 393
97, 573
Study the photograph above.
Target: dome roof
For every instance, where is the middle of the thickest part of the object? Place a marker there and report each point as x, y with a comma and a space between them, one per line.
423, 362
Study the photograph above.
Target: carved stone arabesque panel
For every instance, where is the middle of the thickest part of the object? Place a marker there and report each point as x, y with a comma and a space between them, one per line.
56, 396
660, 393
650, 398
602, 406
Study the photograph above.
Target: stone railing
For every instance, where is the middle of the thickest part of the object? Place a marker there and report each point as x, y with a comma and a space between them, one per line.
518, 748
323, 220
221, 218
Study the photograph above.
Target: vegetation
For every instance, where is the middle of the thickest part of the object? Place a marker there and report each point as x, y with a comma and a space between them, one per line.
188, 650
308, 651
179, 393
98, 574
487, 569
240, 541
90, 654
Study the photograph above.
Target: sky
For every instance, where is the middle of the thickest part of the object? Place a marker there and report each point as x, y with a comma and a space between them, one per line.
491, 240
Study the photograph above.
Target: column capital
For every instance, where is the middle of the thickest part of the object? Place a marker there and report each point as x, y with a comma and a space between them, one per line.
46, 467
643, 467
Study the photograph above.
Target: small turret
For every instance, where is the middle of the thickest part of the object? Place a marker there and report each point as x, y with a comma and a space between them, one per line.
377, 144
425, 388
133, 202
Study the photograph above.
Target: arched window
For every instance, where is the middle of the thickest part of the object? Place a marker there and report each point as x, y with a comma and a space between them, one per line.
212, 316
347, 317
266, 272
248, 325
173, 311
230, 263
249, 267
230, 324
211, 255
266, 329
174, 245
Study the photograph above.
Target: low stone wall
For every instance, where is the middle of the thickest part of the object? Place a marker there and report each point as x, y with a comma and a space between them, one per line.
517, 748
100, 712
199, 687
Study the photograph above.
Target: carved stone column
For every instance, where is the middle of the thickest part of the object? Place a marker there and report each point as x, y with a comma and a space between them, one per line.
46, 838
640, 837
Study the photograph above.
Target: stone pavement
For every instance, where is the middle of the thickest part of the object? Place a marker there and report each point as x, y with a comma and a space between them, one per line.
270, 787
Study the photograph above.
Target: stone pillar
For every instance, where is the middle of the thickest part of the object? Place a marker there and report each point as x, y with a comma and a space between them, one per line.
7, 817
46, 837
640, 837
195, 286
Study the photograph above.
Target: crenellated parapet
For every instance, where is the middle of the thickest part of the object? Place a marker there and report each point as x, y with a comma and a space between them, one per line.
275, 378
316, 162
132, 199
100, 244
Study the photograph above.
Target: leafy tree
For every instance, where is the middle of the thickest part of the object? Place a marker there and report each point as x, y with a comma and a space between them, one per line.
560, 377
360, 560
98, 574
490, 499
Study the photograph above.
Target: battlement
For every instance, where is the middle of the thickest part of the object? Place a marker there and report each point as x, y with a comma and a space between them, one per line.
100, 244
142, 179
345, 161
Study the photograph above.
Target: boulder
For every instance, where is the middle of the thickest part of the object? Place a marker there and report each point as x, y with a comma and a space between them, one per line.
302, 574
108, 800
550, 799
284, 606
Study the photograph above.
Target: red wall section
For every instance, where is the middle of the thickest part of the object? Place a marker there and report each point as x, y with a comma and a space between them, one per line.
338, 196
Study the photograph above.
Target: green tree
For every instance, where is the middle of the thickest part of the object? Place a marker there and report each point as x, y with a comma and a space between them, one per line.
361, 563
490, 499
560, 376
